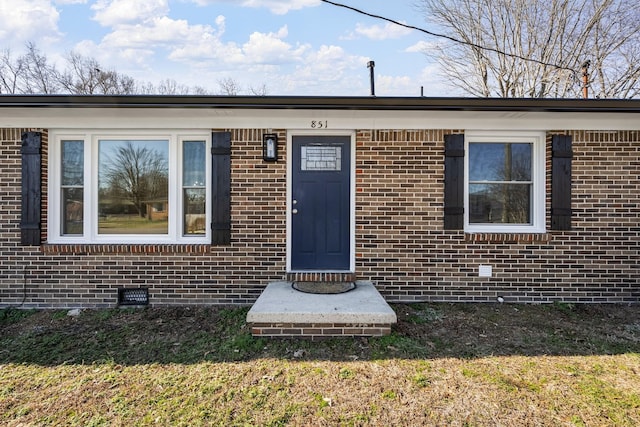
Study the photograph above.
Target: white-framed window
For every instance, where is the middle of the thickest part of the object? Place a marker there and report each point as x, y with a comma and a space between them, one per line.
504, 182
129, 187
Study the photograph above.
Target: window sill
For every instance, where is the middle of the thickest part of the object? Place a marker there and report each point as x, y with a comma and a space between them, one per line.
507, 237
86, 249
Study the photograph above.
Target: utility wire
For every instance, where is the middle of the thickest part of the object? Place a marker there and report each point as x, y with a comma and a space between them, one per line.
444, 36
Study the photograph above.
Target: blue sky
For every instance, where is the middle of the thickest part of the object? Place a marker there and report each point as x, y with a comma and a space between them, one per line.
292, 47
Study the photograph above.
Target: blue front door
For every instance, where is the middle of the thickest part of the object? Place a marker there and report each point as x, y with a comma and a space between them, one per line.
320, 205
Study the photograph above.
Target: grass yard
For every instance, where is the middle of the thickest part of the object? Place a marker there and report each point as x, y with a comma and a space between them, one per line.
444, 364
131, 224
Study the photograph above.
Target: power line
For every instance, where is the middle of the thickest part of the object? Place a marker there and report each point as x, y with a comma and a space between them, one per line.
444, 36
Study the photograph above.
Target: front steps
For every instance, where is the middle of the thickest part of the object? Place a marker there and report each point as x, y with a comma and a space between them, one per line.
282, 311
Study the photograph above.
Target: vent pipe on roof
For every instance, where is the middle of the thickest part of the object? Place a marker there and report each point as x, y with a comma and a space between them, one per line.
585, 79
371, 65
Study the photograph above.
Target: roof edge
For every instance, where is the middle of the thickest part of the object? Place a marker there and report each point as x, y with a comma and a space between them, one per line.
321, 103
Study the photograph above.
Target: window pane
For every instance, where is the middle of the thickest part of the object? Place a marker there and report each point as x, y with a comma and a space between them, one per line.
133, 186
500, 162
194, 161
193, 187
321, 158
72, 163
500, 203
194, 211
72, 211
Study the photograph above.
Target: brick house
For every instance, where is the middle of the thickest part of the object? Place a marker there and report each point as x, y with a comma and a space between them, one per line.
431, 199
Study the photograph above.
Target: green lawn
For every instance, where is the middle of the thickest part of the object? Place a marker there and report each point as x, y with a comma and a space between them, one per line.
128, 224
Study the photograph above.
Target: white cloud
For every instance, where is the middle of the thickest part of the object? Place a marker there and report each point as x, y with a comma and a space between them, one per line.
421, 47
259, 49
161, 31
123, 60
199, 47
133, 47
63, 2
396, 86
115, 12
148, 44
333, 65
332, 56
271, 49
221, 23
325, 71
431, 78
278, 7
377, 32
31, 20
281, 7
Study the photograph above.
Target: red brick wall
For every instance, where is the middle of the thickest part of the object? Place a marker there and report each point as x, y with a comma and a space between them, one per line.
400, 243
89, 275
404, 250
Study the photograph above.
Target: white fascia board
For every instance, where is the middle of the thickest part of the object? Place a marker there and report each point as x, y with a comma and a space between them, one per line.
212, 118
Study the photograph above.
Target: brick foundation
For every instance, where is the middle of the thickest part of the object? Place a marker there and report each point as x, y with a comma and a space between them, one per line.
318, 330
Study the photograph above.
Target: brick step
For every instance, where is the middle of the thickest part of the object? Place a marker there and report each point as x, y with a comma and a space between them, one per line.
282, 311
319, 330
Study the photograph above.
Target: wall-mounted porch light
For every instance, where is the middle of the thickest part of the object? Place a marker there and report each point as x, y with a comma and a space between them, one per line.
270, 147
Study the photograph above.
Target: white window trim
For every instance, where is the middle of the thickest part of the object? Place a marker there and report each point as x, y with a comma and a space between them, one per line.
538, 221
90, 212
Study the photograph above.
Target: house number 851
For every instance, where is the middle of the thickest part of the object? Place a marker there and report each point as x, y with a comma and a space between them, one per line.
319, 124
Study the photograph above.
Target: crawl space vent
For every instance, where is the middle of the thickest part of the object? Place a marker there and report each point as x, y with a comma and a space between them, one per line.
139, 296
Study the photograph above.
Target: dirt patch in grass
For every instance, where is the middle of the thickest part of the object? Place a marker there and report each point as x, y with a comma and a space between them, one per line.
444, 364
467, 330
195, 334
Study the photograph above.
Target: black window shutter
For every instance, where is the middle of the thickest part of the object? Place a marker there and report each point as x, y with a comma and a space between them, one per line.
221, 188
561, 182
454, 182
31, 188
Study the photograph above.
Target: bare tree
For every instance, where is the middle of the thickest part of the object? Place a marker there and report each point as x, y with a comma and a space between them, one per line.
261, 90
168, 87
136, 173
172, 87
229, 86
39, 76
29, 73
32, 73
535, 48
11, 73
86, 76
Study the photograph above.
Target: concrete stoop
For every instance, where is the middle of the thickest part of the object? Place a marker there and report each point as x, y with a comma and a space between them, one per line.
282, 311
